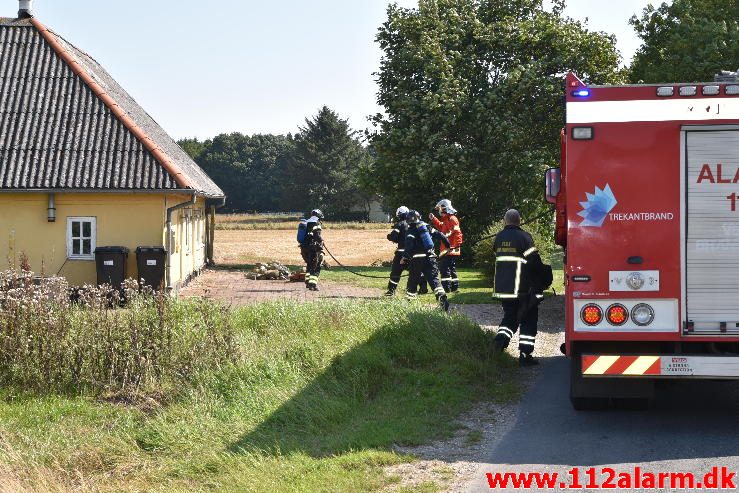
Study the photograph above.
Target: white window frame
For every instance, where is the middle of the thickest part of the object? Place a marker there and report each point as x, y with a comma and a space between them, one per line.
70, 238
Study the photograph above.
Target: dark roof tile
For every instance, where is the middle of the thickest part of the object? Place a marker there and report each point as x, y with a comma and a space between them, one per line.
57, 132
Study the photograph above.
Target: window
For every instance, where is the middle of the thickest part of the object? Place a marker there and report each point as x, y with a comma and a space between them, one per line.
81, 238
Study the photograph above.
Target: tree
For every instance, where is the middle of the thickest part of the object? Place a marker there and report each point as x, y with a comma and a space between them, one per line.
472, 93
249, 169
326, 167
193, 147
686, 41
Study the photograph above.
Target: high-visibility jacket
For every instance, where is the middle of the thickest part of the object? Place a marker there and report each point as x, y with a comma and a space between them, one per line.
517, 261
449, 226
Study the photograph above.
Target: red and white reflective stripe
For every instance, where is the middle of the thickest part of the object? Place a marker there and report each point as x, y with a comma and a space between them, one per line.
653, 110
621, 365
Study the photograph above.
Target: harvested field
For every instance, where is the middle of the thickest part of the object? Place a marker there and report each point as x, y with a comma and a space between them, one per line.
351, 247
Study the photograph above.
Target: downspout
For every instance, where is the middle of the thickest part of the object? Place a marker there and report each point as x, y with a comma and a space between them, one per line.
170, 210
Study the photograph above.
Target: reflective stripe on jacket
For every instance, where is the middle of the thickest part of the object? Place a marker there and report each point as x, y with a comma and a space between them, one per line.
514, 250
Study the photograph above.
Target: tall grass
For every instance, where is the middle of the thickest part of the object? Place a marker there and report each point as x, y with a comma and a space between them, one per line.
106, 340
320, 395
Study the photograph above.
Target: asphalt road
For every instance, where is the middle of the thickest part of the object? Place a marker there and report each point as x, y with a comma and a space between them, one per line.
692, 427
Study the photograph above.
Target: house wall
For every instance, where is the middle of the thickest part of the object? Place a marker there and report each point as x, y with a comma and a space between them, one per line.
188, 240
128, 220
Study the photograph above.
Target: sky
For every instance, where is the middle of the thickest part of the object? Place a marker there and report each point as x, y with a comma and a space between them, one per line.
201, 68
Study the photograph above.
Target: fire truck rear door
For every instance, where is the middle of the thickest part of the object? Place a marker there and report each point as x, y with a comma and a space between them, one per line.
712, 229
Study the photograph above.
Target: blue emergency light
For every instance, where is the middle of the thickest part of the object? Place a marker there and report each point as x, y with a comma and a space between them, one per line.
581, 93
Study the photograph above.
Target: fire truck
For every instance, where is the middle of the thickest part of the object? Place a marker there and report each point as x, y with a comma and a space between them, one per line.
646, 203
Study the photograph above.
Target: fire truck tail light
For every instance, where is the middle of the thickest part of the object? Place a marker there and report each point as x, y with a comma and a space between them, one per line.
582, 133
731, 90
688, 91
581, 93
665, 91
591, 314
711, 90
642, 314
617, 314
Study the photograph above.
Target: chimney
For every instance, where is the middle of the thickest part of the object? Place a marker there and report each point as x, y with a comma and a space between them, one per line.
26, 9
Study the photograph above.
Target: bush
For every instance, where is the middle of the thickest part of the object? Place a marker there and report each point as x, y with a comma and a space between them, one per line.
51, 344
542, 234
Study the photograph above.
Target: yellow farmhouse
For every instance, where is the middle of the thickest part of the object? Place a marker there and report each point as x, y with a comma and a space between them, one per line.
82, 166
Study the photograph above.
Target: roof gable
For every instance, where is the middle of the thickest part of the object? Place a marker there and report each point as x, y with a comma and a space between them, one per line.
65, 123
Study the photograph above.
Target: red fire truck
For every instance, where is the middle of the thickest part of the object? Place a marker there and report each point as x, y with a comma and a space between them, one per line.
646, 210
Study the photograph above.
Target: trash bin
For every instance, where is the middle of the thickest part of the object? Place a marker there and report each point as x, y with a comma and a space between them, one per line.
110, 262
150, 261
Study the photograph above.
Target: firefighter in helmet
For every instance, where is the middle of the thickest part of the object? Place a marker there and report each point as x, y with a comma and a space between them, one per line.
420, 256
449, 226
311, 249
517, 268
397, 236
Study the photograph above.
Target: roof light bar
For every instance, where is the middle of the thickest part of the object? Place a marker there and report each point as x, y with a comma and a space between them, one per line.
711, 90
688, 90
581, 93
665, 91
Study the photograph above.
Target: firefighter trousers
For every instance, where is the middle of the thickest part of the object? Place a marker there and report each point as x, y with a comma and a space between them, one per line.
423, 268
396, 270
313, 257
448, 268
511, 322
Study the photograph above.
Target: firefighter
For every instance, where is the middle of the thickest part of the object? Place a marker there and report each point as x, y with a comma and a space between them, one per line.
311, 249
517, 266
420, 257
449, 226
397, 236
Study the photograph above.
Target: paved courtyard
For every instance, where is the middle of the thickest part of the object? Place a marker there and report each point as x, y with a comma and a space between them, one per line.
232, 287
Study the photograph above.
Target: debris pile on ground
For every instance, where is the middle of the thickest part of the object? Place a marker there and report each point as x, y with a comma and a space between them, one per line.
381, 263
272, 271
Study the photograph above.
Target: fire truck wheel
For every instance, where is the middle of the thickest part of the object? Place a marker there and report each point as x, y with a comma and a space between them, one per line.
578, 390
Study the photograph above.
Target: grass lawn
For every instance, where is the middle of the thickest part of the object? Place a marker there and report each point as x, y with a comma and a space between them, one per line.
473, 287
316, 402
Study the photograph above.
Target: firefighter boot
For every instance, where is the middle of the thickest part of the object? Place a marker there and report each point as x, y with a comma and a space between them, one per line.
502, 339
527, 360
390, 289
443, 302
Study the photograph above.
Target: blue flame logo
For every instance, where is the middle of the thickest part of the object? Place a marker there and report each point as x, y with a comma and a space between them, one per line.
597, 206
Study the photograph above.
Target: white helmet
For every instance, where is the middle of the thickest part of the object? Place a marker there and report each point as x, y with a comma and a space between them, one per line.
446, 206
401, 212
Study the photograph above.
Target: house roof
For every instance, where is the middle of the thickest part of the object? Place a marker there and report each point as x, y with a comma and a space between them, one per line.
66, 124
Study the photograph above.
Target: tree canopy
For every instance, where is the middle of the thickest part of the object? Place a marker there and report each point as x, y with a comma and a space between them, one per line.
472, 92
686, 41
327, 163
318, 167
